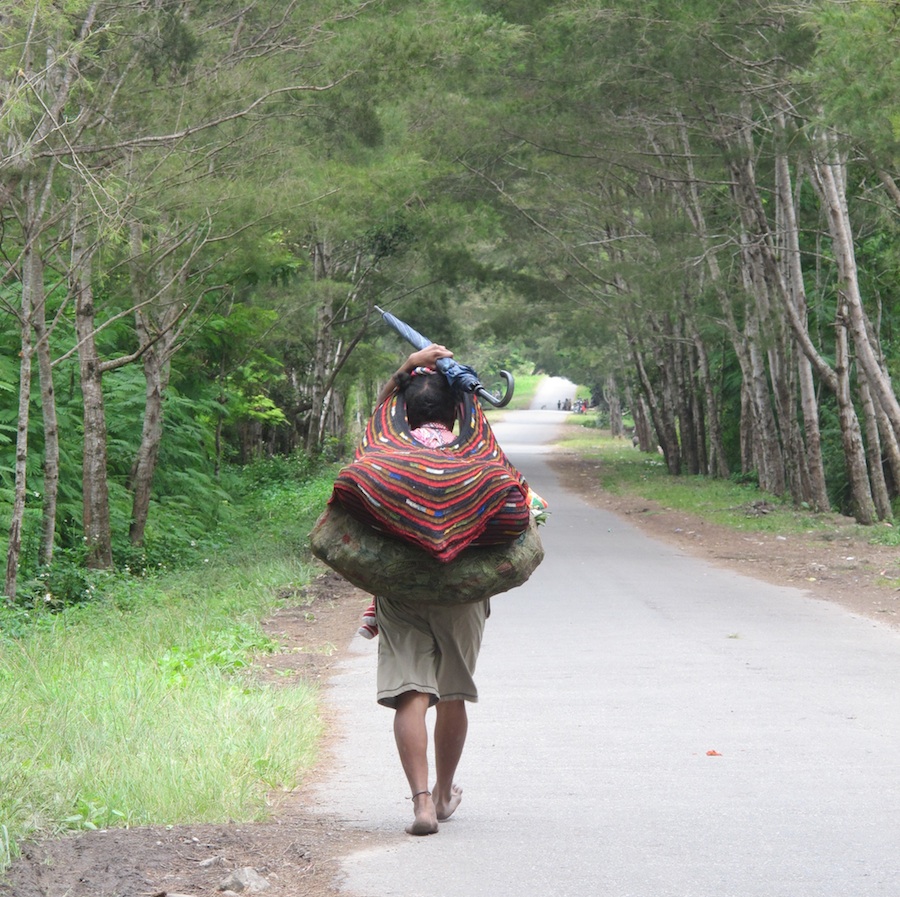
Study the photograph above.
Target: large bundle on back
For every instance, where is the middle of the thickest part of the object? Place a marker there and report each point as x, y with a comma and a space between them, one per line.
451, 525
386, 566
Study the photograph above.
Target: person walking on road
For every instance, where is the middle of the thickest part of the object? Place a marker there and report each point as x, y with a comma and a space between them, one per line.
418, 484
427, 651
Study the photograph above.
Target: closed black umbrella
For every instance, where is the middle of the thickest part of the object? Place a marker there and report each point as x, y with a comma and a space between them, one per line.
460, 376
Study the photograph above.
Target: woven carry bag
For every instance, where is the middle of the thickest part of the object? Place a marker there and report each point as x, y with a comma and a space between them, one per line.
382, 565
441, 500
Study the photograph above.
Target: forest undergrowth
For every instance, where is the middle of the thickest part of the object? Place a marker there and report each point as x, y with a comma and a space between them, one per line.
139, 706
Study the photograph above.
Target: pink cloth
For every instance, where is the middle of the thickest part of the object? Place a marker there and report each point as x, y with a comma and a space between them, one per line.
432, 435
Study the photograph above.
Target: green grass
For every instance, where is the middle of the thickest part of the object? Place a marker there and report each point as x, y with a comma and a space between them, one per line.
623, 470
525, 387
142, 707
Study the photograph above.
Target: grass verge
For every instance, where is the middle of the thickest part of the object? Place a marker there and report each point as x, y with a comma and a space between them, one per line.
525, 389
141, 708
623, 470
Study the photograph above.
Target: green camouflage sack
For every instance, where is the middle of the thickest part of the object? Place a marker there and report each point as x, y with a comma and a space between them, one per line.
382, 565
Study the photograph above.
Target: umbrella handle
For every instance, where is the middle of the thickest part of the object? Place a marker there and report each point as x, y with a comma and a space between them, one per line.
420, 342
501, 402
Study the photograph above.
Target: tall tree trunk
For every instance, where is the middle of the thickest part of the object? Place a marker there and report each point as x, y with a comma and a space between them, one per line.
830, 181
331, 418
756, 413
680, 395
717, 463
873, 452
766, 448
95, 485
697, 408
837, 382
321, 352
14, 550
48, 412
660, 414
155, 319
861, 500
611, 395
782, 361
890, 448
815, 492
318, 395
768, 445
748, 425
643, 428
140, 479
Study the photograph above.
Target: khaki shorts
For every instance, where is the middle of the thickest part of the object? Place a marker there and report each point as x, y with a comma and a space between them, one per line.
428, 647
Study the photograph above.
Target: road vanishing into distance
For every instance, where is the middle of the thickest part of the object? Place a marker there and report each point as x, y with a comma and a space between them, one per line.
648, 726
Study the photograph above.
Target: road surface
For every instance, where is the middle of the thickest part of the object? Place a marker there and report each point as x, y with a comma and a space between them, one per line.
649, 726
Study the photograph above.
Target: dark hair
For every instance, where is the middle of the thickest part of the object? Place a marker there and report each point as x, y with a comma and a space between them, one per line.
429, 399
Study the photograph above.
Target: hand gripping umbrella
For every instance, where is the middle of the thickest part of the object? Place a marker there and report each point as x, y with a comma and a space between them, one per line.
460, 376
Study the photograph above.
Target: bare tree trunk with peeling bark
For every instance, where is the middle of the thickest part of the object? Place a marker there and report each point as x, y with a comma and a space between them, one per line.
14, 549
157, 313
890, 447
836, 380
829, 171
140, 479
854, 451
35, 197
873, 452
611, 395
48, 412
643, 428
766, 449
767, 441
331, 351
816, 492
321, 354
95, 484
660, 414
717, 465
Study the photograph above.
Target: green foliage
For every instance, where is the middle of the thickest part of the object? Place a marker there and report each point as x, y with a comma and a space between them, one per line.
277, 472
525, 388
165, 43
65, 582
227, 651
138, 707
500, 174
856, 70
88, 815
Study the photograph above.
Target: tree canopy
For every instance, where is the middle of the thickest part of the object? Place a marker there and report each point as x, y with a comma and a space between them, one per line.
691, 207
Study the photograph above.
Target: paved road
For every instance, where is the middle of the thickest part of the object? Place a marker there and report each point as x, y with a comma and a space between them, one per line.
606, 681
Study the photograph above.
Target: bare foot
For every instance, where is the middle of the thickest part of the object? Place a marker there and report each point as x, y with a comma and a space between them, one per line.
445, 807
426, 821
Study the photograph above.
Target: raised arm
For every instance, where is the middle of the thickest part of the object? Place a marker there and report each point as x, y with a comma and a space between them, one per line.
426, 358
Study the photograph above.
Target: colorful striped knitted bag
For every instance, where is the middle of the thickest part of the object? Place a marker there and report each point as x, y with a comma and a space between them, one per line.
440, 500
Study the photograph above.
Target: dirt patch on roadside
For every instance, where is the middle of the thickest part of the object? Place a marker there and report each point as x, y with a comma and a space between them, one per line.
299, 851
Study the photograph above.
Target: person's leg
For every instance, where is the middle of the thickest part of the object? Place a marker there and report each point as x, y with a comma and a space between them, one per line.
411, 736
450, 729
